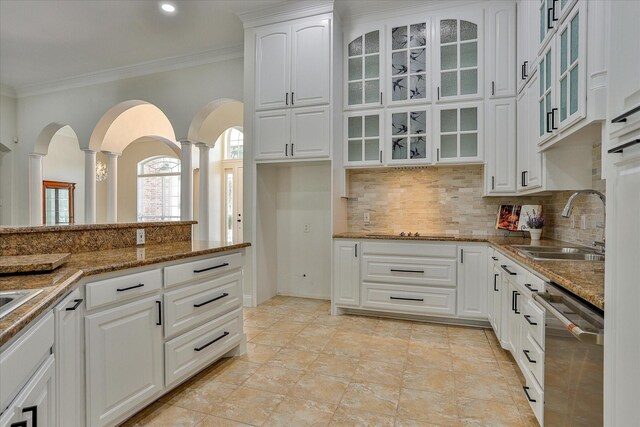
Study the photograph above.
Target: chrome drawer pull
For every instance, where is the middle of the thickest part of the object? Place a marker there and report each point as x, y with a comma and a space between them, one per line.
211, 342
139, 285
526, 391
407, 271
211, 268
407, 299
526, 354
211, 300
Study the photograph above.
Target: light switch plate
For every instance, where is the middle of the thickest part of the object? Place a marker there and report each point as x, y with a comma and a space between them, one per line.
140, 236
367, 218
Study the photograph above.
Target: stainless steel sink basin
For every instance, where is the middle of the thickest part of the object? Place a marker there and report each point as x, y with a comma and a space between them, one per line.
10, 300
559, 253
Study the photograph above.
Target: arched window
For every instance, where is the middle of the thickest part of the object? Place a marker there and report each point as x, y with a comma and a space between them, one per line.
233, 144
159, 189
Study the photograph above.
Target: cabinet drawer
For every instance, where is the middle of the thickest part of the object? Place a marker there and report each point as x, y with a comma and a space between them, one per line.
532, 357
203, 269
514, 271
534, 283
534, 321
192, 351
411, 271
195, 304
409, 299
122, 288
22, 359
409, 249
535, 396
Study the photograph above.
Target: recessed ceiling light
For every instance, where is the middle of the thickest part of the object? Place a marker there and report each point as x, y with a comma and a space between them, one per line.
167, 7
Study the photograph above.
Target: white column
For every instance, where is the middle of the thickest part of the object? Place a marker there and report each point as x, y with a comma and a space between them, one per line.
89, 187
35, 188
203, 208
186, 181
112, 187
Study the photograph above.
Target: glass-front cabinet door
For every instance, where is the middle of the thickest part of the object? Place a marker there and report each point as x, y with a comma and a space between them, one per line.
547, 125
409, 135
409, 64
459, 57
363, 70
362, 140
546, 21
571, 75
459, 131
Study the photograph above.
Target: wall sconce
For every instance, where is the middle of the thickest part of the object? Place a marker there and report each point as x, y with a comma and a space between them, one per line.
101, 171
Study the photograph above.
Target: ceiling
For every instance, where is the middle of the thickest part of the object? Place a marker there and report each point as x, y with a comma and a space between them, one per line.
43, 41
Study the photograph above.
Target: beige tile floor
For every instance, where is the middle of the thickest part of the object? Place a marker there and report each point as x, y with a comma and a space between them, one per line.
304, 367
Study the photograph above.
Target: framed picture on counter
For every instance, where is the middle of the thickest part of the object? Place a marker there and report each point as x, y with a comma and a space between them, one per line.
514, 217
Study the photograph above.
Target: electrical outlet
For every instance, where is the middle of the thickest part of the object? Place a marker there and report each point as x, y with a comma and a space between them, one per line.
140, 253
367, 218
583, 222
140, 236
307, 228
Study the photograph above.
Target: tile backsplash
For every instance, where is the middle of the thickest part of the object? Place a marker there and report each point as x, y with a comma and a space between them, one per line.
448, 200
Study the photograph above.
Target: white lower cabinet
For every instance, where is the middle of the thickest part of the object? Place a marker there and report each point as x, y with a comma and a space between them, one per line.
124, 360
409, 299
495, 300
346, 273
36, 403
472, 285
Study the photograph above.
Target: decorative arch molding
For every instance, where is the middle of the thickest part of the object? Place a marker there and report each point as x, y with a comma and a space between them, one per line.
46, 136
129, 121
214, 119
169, 143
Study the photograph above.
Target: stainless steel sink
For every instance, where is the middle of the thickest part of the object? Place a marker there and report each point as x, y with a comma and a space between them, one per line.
559, 253
10, 300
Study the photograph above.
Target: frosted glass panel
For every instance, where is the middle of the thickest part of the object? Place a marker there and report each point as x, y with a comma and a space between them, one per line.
448, 31
575, 24
542, 67
418, 148
399, 63
418, 35
468, 82
399, 148
355, 93
418, 122
355, 127
547, 64
372, 42
469, 145
449, 57
355, 69
371, 149
399, 38
563, 99
399, 89
573, 96
355, 47
448, 146
468, 30
371, 126
449, 82
355, 151
372, 66
563, 52
418, 58
417, 87
543, 123
469, 54
448, 120
372, 91
399, 124
543, 22
468, 119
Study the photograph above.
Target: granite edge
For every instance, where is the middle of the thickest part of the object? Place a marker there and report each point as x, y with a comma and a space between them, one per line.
84, 227
37, 266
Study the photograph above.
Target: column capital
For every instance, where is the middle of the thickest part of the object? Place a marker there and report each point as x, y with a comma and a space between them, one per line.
202, 146
36, 155
111, 154
88, 150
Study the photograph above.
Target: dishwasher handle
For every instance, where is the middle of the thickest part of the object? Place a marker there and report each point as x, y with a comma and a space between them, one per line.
576, 331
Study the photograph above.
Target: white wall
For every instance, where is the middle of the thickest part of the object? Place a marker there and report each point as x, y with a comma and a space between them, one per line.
180, 94
65, 162
8, 131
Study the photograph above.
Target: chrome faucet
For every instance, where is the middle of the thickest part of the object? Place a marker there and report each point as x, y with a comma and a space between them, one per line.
566, 212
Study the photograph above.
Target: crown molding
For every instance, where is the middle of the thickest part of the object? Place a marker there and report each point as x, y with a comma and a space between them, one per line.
141, 69
6, 90
284, 11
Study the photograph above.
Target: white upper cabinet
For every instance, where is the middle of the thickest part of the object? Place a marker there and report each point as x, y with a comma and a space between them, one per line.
273, 67
500, 166
547, 125
409, 135
272, 134
459, 132
363, 132
546, 22
293, 64
409, 64
529, 162
527, 35
363, 59
501, 50
310, 63
459, 56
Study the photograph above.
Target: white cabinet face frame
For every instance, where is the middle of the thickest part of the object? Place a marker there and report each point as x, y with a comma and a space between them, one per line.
563, 7
408, 64
459, 56
311, 62
363, 132
273, 67
364, 67
458, 133
571, 68
408, 135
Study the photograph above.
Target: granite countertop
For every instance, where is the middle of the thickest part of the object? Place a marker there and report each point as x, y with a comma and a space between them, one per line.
58, 283
82, 227
31, 263
584, 279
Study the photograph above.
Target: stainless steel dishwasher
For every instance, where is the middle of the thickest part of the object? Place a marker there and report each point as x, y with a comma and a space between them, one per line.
574, 360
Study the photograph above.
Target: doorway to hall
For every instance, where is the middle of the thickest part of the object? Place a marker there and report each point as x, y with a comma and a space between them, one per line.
232, 191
